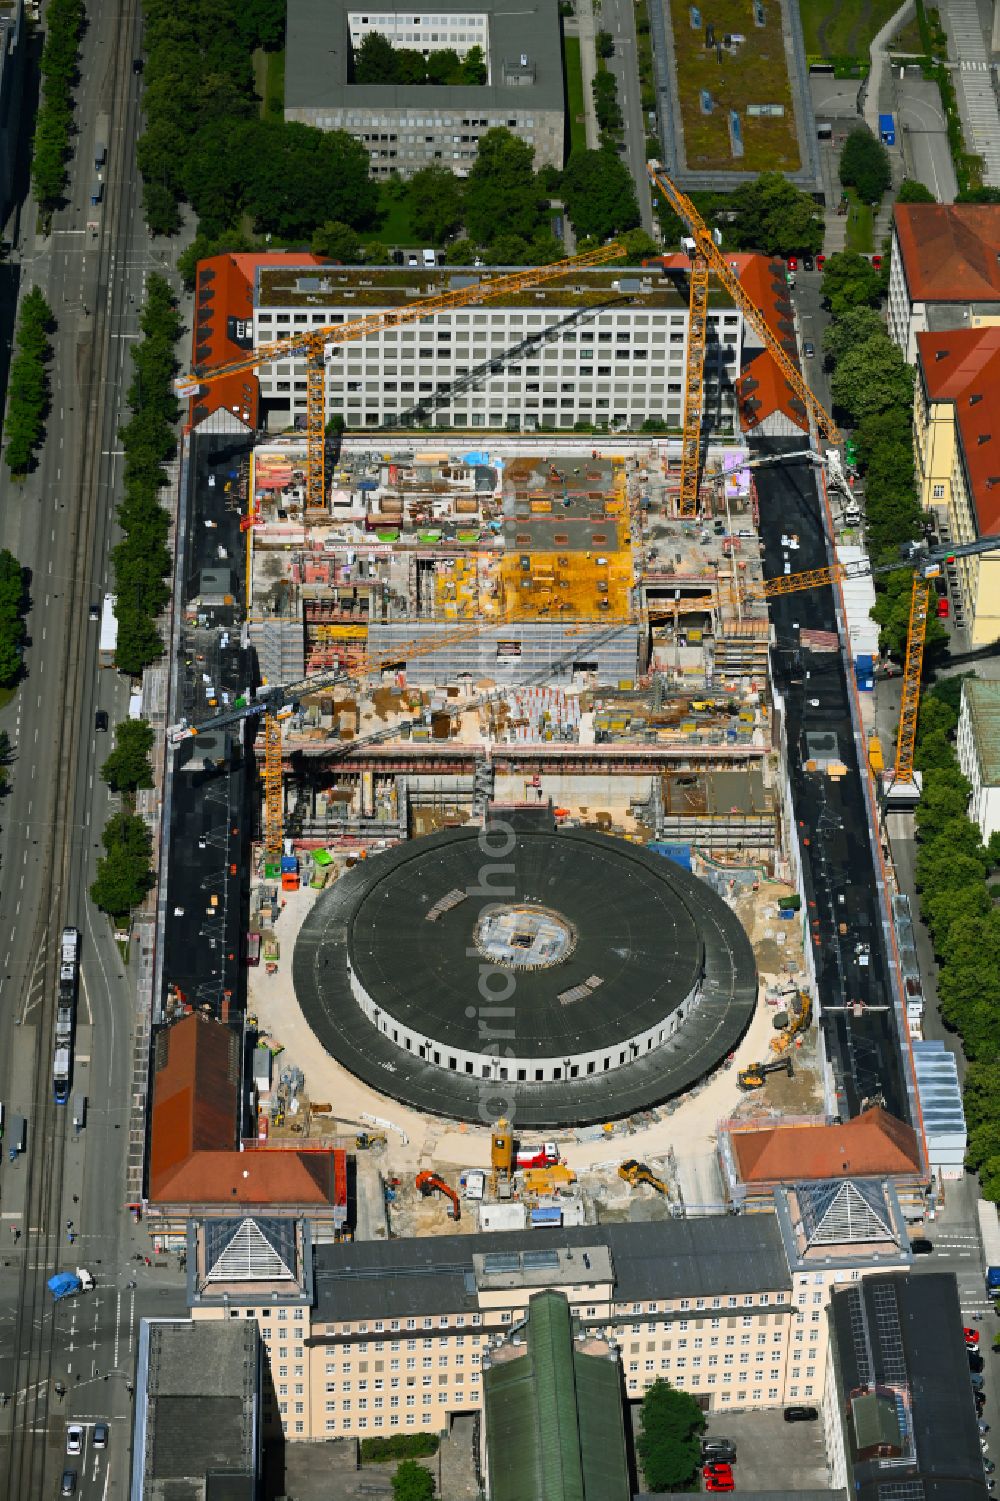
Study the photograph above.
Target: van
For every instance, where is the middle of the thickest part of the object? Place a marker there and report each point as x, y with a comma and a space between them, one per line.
96, 191
430, 260
79, 1111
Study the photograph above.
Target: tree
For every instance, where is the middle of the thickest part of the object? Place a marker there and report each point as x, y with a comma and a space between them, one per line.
605, 44
28, 386
128, 767
460, 253
774, 216
853, 326
375, 60
338, 242
599, 194
501, 190
13, 604
668, 1445
412, 1482
891, 611
978, 195
473, 69
911, 191
871, 377
434, 196
850, 281
124, 874
298, 177
864, 165
203, 247
443, 66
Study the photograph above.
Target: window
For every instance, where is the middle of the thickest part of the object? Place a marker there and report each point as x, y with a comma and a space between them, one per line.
938, 492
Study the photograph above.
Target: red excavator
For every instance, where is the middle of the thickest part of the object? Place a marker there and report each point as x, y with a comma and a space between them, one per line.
429, 1183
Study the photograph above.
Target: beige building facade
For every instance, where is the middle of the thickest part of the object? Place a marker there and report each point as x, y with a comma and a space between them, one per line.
366, 1339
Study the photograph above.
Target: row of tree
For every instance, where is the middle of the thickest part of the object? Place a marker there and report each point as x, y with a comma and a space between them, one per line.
957, 903
28, 384
142, 560
669, 1443
124, 871
872, 387
54, 120
205, 143
769, 214
864, 165
378, 61
13, 608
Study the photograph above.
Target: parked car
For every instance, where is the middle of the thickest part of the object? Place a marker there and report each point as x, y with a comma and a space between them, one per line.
716, 1450
792, 263
719, 1470
877, 262
801, 1414
971, 1338
718, 1485
820, 262
807, 263
976, 1361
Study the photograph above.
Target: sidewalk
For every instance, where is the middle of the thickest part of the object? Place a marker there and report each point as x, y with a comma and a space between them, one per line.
587, 30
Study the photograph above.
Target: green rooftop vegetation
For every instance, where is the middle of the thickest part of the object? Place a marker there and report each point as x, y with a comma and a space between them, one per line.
754, 72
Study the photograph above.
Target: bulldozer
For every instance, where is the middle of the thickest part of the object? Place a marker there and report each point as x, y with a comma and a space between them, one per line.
429, 1183
635, 1173
799, 1017
755, 1074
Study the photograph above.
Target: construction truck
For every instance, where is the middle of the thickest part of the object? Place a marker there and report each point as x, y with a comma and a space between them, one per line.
755, 1074
635, 1173
799, 1017
365, 1140
429, 1183
546, 1181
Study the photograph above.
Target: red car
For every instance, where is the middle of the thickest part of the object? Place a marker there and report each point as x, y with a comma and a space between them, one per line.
820, 262
971, 1338
718, 1469
792, 263
719, 1483
877, 262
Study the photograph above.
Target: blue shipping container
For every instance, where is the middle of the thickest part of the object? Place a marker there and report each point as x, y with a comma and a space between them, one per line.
680, 854
864, 661
289, 862
887, 130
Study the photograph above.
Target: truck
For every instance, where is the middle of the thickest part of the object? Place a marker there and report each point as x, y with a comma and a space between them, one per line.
109, 633
67, 1284
887, 130
96, 191
536, 1156
101, 142
989, 1232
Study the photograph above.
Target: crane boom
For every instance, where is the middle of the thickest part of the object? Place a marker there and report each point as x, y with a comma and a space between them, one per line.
926, 561
705, 252
312, 342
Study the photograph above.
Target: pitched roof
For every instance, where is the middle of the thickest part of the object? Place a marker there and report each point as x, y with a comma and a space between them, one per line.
949, 250
224, 295
761, 388
554, 1416
872, 1145
194, 1137
962, 366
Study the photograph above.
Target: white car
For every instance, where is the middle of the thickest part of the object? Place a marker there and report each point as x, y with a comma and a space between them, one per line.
74, 1439
475, 1183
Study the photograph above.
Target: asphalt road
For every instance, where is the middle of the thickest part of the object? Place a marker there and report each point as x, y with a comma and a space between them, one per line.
60, 525
924, 134
618, 17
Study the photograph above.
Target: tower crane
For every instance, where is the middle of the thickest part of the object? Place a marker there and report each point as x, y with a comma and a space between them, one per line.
705, 256
926, 563
312, 343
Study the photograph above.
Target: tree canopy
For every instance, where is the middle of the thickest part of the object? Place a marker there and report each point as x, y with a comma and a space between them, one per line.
13, 606
502, 193
599, 194
912, 191
850, 281
412, 1482
378, 61
864, 165
128, 766
124, 873
28, 383
871, 377
669, 1446
435, 200
774, 216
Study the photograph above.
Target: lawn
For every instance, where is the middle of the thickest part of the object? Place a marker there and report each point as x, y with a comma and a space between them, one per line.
860, 225
269, 81
755, 72
574, 93
392, 226
843, 28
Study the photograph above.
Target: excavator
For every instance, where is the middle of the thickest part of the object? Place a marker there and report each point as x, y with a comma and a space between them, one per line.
429, 1183
755, 1074
635, 1173
799, 1017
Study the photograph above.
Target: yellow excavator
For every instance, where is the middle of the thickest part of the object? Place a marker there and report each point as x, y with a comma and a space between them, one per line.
799, 1017
635, 1173
755, 1074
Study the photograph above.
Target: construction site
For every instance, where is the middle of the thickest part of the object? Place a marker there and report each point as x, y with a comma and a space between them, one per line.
407, 645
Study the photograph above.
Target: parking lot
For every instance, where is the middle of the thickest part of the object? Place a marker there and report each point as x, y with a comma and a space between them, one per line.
769, 1450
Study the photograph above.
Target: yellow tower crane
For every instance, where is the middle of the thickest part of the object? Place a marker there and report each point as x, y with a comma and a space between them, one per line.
313, 342
705, 256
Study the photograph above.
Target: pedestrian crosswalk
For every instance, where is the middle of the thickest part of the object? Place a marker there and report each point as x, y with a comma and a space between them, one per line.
977, 101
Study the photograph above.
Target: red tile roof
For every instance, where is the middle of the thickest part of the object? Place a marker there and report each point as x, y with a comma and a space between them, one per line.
224, 290
950, 250
194, 1156
872, 1145
962, 366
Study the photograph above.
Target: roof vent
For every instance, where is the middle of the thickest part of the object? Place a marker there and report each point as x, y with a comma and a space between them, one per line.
983, 438
941, 354
976, 396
